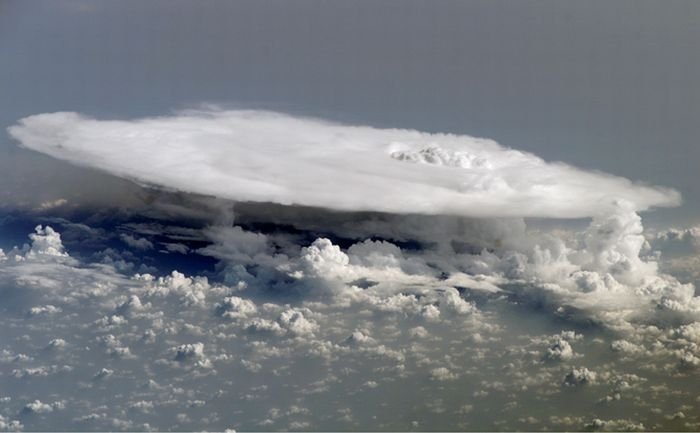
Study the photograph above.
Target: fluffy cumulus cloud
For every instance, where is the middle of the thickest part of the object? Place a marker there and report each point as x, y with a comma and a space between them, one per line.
277, 317
271, 157
284, 326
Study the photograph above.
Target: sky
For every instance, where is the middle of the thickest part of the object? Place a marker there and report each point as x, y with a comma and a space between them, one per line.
607, 87
338, 216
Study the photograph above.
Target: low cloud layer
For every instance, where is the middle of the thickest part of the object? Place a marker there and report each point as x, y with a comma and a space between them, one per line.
566, 331
263, 156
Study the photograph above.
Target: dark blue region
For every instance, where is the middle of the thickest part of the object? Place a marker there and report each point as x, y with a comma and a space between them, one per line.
94, 236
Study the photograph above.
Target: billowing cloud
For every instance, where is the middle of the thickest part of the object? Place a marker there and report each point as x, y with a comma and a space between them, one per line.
296, 304
359, 320
261, 156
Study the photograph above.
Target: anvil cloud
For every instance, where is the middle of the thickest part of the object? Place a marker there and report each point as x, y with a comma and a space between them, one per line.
261, 156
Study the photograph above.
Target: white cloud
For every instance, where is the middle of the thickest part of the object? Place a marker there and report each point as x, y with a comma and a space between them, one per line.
51, 204
443, 374
37, 406
614, 425
325, 259
56, 343
234, 307
295, 322
131, 306
45, 242
235, 244
44, 310
7, 424
418, 332
114, 347
580, 376
103, 373
452, 302
138, 243
191, 353
626, 347
191, 291
271, 157
560, 350
176, 248
358, 338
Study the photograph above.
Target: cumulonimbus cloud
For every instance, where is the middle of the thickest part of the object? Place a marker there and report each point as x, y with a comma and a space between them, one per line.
261, 156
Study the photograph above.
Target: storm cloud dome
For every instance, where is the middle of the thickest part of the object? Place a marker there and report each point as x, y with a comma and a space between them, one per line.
263, 156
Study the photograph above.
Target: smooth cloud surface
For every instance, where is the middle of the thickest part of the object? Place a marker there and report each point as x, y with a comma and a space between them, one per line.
270, 157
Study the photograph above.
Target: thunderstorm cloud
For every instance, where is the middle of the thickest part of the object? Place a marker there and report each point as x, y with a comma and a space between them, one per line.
261, 156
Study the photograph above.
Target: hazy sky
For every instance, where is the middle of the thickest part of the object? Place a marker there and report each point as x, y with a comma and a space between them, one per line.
609, 86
